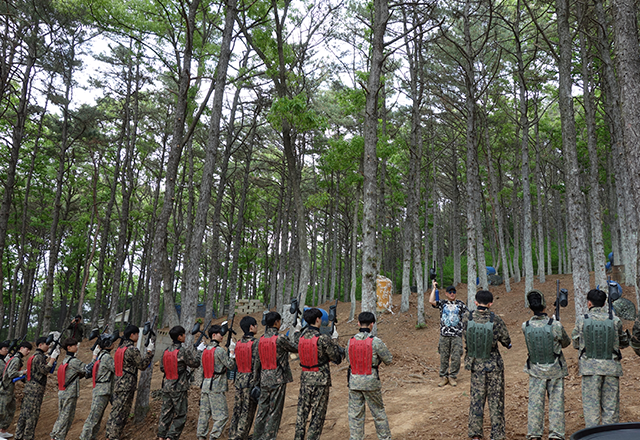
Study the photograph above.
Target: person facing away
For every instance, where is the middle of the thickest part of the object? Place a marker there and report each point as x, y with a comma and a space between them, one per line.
247, 357
38, 367
365, 352
546, 367
103, 373
213, 401
127, 361
599, 337
13, 369
177, 362
69, 373
315, 350
484, 330
452, 311
275, 373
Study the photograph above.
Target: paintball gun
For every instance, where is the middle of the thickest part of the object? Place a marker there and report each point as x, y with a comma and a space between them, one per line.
432, 272
295, 310
149, 330
96, 334
15, 345
613, 295
228, 330
562, 299
197, 328
333, 316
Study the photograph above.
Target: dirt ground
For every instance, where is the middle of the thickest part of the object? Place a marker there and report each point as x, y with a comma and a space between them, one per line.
416, 407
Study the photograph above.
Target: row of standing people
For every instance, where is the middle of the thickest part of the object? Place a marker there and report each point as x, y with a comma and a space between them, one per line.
263, 373
598, 335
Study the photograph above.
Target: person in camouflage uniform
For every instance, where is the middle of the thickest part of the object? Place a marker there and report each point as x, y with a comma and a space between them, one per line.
364, 379
213, 401
12, 370
77, 328
486, 366
69, 372
452, 311
38, 366
103, 380
126, 381
635, 336
244, 407
315, 380
274, 375
177, 362
600, 370
545, 377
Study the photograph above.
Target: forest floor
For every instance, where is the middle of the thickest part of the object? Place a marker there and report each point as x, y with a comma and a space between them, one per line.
416, 407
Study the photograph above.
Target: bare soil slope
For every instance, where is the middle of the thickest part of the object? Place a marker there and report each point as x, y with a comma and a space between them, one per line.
416, 407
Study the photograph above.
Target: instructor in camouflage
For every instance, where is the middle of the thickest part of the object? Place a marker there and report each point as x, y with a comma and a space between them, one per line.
365, 353
12, 370
275, 373
483, 332
247, 357
128, 361
69, 372
38, 367
315, 351
103, 374
546, 367
599, 337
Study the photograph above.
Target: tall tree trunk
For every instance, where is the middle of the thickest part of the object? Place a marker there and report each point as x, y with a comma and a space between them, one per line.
539, 198
354, 255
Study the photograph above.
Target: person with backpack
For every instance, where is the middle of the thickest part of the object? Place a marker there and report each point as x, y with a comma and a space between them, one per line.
599, 337
484, 330
12, 370
546, 367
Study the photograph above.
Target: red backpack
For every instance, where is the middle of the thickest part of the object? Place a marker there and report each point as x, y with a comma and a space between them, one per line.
244, 356
308, 351
268, 352
361, 355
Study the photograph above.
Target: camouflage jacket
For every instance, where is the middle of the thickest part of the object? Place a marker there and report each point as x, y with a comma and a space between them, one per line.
222, 362
11, 371
500, 334
75, 371
249, 380
105, 376
39, 371
635, 337
188, 358
370, 382
328, 350
600, 367
133, 361
561, 340
282, 374
77, 330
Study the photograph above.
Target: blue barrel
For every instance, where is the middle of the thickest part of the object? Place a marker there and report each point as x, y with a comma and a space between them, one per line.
610, 256
491, 270
325, 317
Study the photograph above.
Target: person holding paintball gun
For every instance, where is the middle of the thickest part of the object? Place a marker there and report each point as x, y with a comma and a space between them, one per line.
215, 364
11, 373
77, 329
450, 345
38, 367
546, 367
599, 337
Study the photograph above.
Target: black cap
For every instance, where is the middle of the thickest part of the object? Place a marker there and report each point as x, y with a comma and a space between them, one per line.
451, 289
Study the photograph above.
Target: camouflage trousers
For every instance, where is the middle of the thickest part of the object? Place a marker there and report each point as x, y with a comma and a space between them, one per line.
30, 412
450, 349
487, 386
538, 389
244, 409
314, 400
7, 409
357, 401
173, 414
214, 406
600, 400
92, 424
269, 413
120, 409
66, 414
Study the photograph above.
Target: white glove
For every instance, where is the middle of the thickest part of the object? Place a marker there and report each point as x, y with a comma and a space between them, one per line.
151, 346
334, 335
202, 346
55, 353
232, 345
96, 352
232, 354
298, 327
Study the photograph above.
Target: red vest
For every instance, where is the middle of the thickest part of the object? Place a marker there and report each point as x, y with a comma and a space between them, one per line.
243, 356
62, 373
118, 360
170, 363
29, 367
94, 371
360, 355
268, 352
209, 362
6, 365
308, 351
